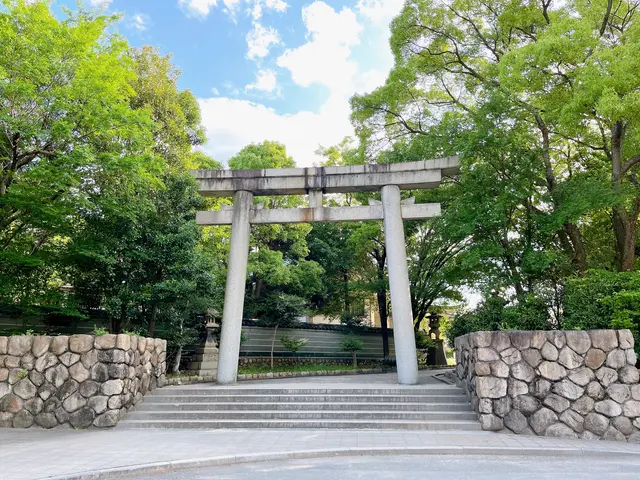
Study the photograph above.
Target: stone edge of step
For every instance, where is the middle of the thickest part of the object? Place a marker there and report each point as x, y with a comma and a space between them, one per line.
160, 467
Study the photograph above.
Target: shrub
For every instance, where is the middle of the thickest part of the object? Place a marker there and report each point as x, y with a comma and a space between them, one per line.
352, 344
99, 331
293, 344
424, 341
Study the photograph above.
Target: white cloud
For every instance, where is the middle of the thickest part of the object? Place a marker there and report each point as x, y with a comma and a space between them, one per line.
100, 3
266, 81
326, 58
140, 22
215, 91
260, 40
202, 8
279, 6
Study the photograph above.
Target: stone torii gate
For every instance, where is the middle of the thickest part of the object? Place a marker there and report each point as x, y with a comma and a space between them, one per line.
389, 179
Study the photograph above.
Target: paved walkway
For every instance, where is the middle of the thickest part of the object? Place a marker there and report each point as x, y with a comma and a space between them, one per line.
39, 454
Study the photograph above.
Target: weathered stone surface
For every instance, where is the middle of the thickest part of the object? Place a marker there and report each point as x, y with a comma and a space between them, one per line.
61, 415
623, 425
82, 418
25, 389
46, 361
69, 358
68, 388
569, 359
567, 389
619, 393
605, 340
542, 419
608, 408
46, 391
4, 374
11, 403
521, 340
487, 355
632, 358
501, 341
115, 387
57, 375
482, 368
36, 378
46, 420
540, 388
625, 339
560, 430
596, 423
515, 421
635, 392
100, 372
511, 356
118, 356
4, 345
20, 345
479, 339
556, 403
490, 422
549, 352
98, 404
15, 375
40, 345
88, 388
59, 345
523, 371
616, 359
28, 361
485, 405
80, 343
516, 387
583, 405
631, 408
552, 371
123, 342
587, 435
526, 404
120, 370
105, 342
4, 389
613, 435
74, 402
6, 420
634, 437
538, 338
486, 387
557, 338
629, 374
532, 357
89, 359
106, 420
606, 376
22, 419
595, 358
34, 406
582, 376
595, 391
78, 372
573, 419
115, 402
578, 341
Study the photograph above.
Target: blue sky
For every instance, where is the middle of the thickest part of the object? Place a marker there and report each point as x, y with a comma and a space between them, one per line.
268, 69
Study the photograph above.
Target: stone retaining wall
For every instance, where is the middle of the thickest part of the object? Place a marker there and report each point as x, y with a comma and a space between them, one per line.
574, 384
77, 380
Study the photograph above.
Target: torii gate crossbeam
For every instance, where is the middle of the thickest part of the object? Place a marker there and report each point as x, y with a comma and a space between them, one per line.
389, 179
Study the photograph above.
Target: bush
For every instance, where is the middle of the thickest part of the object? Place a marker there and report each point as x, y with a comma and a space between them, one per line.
352, 344
424, 341
603, 299
293, 344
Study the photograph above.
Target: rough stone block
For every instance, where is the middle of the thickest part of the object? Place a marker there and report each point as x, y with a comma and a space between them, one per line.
582, 376
522, 371
82, 418
516, 387
487, 355
569, 359
616, 359
502, 406
629, 374
57, 375
4, 375
557, 338
501, 341
526, 404
88, 388
596, 423
23, 419
631, 408
105, 342
632, 358
608, 408
625, 339
36, 378
485, 405
490, 422
567, 389
511, 356
606, 376
578, 341
123, 342
605, 340
80, 343
4, 345
25, 389
538, 338
45, 362
108, 419
100, 372
552, 371
542, 419
619, 393
490, 387
46, 391
515, 421
74, 402
574, 420
98, 404
560, 430
115, 387
595, 391
69, 358
532, 357
28, 361
635, 392
59, 345
613, 435
90, 358
20, 345
549, 352
78, 372
114, 356
11, 361
540, 388
623, 425
34, 406
556, 402
11, 403
41, 345
46, 420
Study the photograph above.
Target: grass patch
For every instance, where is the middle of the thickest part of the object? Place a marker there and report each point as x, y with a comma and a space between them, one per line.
449, 355
298, 368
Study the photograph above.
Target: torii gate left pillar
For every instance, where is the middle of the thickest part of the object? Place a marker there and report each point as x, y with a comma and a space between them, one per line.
388, 179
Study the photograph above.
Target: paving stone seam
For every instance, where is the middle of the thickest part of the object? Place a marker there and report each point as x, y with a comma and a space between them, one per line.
167, 466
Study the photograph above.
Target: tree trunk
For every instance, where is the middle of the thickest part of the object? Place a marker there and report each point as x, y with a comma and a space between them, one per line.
624, 223
176, 362
355, 360
273, 344
152, 319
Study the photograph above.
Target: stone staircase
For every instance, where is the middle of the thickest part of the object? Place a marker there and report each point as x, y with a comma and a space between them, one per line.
425, 407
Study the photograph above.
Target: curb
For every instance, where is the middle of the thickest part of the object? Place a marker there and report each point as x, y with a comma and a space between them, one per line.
168, 466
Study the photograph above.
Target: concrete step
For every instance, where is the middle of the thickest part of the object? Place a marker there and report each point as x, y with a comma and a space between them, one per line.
343, 424
167, 415
291, 398
152, 405
189, 390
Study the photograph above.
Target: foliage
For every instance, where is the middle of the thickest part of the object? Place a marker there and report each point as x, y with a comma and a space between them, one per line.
351, 343
99, 331
424, 341
293, 344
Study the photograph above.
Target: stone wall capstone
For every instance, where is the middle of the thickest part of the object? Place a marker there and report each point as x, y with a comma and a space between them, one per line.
575, 384
78, 380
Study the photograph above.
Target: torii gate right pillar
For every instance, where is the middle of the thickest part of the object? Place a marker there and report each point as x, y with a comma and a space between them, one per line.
403, 336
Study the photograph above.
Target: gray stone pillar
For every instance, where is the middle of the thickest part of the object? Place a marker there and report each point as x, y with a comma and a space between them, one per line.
234, 291
403, 336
